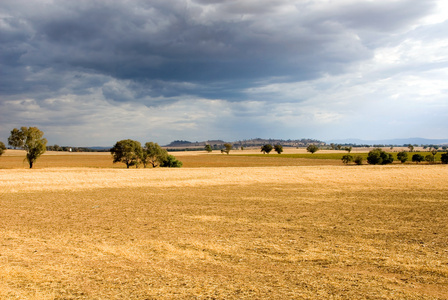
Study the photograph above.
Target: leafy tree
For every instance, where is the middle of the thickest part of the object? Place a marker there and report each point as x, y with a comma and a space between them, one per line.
312, 148
444, 158
429, 158
2, 148
127, 151
17, 137
153, 154
347, 158
208, 148
339, 147
417, 158
378, 157
411, 148
278, 149
444, 147
358, 160
227, 148
31, 140
402, 156
242, 148
267, 148
333, 146
348, 149
169, 161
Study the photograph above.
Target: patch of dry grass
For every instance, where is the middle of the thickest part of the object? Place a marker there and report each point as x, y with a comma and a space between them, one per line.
313, 232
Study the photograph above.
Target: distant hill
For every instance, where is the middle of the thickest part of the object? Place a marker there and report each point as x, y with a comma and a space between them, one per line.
413, 141
245, 143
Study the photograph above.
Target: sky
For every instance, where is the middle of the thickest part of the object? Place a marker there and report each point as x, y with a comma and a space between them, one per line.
91, 72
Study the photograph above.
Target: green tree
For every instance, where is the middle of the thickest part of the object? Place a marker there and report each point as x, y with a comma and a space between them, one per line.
2, 148
31, 140
378, 157
17, 138
153, 154
278, 149
411, 148
347, 158
444, 158
348, 149
358, 160
208, 148
312, 148
227, 148
402, 156
267, 148
417, 158
127, 151
169, 161
429, 158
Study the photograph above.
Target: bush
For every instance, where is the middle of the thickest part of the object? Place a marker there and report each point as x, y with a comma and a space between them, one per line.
402, 156
347, 158
444, 158
358, 160
267, 148
379, 157
429, 158
170, 162
278, 149
312, 148
417, 158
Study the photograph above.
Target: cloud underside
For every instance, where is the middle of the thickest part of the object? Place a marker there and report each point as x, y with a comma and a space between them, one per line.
302, 60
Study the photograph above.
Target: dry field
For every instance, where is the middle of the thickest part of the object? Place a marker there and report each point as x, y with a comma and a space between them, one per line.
271, 232
190, 159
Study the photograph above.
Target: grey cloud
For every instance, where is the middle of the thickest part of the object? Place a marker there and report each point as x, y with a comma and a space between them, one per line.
157, 42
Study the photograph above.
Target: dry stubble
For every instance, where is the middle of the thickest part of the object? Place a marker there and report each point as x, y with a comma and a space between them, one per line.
365, 232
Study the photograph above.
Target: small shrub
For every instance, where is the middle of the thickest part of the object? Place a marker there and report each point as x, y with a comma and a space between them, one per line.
170, 162
312, 148
347, 158
358, 160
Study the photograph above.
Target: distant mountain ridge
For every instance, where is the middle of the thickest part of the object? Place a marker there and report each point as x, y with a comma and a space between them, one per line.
407, 141
247, 143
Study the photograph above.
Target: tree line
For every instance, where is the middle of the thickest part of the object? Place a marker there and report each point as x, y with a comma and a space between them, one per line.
132, 153
378, 156
128, 151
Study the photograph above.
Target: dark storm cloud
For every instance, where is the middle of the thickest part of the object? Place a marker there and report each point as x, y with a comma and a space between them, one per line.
212, 49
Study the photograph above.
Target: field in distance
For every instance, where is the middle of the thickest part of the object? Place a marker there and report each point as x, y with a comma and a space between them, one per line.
194, 159
279, 232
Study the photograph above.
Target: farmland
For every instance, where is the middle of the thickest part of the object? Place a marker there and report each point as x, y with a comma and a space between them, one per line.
223, 227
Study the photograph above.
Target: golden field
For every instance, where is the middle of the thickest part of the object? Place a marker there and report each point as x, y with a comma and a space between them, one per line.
263, 231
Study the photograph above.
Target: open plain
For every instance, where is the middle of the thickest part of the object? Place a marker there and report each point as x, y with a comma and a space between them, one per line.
267, 229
